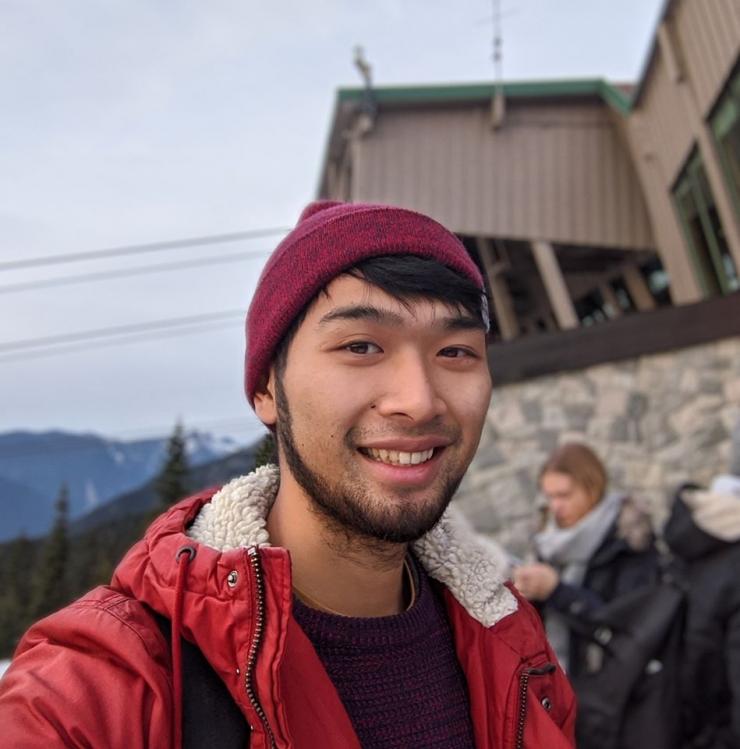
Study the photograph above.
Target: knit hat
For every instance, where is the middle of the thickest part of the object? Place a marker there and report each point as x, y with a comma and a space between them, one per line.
735, 450
329, 239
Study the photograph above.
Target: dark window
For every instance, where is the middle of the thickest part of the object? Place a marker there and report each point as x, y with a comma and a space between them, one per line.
726, 128
706, 237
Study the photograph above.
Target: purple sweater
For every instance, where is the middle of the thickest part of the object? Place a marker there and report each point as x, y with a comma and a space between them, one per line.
397, 676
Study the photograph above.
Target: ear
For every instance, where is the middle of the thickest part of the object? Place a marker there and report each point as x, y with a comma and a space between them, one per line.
265, 405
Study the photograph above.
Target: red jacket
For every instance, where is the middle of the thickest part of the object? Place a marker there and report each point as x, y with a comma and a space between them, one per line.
99, 673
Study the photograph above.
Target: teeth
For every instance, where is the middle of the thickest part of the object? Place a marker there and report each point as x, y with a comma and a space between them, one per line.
397, 457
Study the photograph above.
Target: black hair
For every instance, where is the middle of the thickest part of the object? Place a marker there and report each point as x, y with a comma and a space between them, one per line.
405, 278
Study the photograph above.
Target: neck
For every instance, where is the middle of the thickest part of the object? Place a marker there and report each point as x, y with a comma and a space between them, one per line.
331, 567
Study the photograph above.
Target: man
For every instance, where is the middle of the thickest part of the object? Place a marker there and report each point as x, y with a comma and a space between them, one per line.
338, 600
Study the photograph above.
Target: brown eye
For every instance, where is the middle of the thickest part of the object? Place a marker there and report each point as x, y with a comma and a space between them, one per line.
456, 352
362, 347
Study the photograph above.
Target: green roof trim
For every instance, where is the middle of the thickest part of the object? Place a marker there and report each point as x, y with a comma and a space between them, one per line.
436, 94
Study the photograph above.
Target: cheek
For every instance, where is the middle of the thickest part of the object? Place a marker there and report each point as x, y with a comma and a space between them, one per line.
321, 412
471, 404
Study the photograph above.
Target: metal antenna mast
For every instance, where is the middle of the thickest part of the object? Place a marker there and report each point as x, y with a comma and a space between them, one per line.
498, 103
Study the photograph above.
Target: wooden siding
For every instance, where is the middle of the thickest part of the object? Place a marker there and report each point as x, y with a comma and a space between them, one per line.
705, 37
665, 130
695, 51
557, 172
708, 35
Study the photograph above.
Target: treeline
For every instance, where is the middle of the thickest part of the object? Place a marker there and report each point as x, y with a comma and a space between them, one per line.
38, 576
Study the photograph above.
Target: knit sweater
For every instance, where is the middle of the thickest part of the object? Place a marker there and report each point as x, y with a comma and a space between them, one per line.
397, 676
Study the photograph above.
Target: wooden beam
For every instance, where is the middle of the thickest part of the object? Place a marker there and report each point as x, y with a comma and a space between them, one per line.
638, 288
503, 304
557, 290
610, 298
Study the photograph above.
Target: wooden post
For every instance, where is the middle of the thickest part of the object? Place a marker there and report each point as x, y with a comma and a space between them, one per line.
638, 288
557, 290
503, 304
610, 298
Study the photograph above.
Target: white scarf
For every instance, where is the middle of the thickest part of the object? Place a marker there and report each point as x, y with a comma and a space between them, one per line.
569, 550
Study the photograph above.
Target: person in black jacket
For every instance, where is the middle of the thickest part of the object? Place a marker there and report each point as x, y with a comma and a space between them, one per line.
596, 552
595, 546
704, 530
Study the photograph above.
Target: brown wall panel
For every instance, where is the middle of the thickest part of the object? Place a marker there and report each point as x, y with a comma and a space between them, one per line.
708, 34
557, 172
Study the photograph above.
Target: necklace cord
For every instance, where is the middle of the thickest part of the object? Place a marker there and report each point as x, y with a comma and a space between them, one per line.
313, 603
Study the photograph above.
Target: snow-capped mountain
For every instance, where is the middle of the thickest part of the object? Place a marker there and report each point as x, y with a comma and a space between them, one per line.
34, 465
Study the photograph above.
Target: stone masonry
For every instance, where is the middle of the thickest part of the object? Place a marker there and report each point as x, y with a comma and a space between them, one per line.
656, 422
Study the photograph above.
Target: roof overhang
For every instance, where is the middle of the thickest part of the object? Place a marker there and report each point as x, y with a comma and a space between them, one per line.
349, 102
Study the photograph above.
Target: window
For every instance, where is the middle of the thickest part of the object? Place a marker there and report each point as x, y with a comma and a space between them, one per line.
726, 128
703, 229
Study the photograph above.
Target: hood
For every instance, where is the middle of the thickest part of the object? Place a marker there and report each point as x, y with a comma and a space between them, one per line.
223, 523
451, 553
702, 521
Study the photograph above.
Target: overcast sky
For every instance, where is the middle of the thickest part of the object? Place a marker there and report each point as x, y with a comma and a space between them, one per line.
135, 121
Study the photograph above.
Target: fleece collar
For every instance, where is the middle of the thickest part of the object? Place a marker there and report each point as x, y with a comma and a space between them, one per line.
472, 569
717, 511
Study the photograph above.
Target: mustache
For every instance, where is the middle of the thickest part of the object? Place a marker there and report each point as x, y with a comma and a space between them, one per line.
358, 436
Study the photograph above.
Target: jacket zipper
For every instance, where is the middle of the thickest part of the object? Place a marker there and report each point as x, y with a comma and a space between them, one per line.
254, 559
524, 677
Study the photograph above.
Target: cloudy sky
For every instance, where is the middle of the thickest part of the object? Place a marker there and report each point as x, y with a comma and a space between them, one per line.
127, 122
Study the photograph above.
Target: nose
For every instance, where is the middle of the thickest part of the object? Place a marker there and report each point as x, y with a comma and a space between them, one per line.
410, 390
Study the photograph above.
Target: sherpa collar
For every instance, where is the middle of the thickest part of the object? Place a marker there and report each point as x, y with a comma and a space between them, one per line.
717, 511
451, 552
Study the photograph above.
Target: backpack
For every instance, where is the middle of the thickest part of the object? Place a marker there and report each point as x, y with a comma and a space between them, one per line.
630, 697
210, 717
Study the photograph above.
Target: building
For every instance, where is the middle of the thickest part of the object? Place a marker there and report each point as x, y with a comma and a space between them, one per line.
582, 200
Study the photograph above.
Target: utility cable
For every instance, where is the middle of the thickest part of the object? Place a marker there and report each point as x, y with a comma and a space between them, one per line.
87, 335
136, 249
134, 271
117, 341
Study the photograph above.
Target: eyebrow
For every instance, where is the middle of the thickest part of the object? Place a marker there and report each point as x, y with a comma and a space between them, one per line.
388, 317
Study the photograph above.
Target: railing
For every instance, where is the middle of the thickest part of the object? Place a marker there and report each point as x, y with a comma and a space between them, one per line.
626, 337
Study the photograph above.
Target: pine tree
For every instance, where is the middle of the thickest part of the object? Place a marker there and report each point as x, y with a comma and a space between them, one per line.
266, 451
50, 588
171, 483
15, 592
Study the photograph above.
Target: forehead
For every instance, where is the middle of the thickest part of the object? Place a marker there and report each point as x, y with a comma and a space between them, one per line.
557, 481
348, 297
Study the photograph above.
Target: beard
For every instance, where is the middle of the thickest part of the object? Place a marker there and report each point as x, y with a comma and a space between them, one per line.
347, 506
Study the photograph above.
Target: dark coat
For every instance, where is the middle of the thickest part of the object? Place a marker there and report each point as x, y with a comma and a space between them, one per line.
710, 677
625, 623
626, 559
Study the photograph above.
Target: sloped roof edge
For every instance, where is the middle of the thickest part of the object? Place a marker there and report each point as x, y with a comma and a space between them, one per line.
440, 94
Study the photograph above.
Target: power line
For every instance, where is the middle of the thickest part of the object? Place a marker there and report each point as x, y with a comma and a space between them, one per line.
117, 341
124, 272
116, 330
136, 249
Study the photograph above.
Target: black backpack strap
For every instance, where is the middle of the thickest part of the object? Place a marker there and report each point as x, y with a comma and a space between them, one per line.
210, 717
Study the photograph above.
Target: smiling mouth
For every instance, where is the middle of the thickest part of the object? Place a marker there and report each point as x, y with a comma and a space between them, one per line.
398, 457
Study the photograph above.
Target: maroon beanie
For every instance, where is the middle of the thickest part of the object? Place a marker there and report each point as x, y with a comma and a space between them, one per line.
329, 239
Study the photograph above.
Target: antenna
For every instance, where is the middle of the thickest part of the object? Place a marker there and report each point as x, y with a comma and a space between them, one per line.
498, 105
368, 107
363, 66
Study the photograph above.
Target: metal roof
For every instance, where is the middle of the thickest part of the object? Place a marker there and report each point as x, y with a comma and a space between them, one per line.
611, 94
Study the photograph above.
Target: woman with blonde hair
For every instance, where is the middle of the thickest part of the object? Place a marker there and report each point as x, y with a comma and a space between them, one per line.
596, 547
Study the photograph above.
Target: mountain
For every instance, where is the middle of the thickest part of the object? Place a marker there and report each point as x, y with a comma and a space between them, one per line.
21, 508
33, 465
144, 499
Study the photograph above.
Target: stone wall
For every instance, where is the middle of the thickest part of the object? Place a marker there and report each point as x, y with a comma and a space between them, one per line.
656, 421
